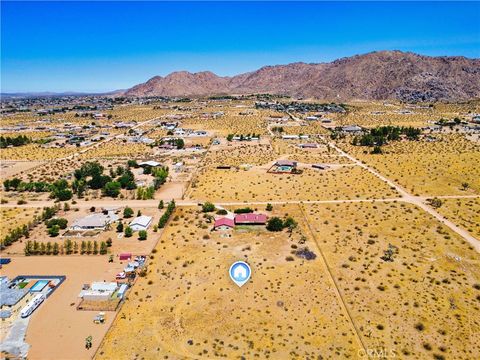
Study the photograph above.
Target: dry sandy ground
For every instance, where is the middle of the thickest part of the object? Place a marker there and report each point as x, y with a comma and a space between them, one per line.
11, 168
187, 306
463, 212
433, 280
171, 190
258, 185
57, 330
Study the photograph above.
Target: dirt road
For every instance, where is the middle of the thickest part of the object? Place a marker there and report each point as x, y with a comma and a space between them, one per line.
416, 200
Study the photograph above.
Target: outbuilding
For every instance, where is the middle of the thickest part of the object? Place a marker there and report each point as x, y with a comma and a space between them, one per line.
250, 219
140, 223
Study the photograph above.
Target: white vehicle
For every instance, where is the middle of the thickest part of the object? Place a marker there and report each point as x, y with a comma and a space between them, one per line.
32, 305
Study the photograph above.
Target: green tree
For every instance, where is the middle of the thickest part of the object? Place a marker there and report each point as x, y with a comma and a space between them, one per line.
68, 246
54, 231
63, 194
103, 248
56, 249
83, 247
161, 205
179, 143
112, 189
290, 223
89, 247
275, 224
142, 235
75, 247
61, 222
120, 226
27, 250
269, 207
36, 248
48, 248
127, 212
95, 247
208, 207
128, 231
6, 185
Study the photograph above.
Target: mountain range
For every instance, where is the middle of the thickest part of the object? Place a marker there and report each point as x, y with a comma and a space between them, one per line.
378, 75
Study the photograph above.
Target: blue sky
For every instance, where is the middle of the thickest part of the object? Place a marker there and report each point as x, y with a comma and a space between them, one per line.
102, 46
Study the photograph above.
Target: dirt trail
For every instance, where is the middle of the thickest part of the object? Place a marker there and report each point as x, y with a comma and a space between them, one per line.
416, 200
334, 282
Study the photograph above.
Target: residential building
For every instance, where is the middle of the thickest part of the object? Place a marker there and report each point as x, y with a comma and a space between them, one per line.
140, 223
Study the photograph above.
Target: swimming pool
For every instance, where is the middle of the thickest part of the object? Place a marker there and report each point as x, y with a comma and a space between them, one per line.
39, 285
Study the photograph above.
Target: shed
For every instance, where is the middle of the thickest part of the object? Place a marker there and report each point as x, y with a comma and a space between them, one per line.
250, 219
125, 256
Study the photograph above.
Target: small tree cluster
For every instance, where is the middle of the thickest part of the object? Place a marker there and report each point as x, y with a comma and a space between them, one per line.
208, 207
277, 224
24, 230
41, 248
244, 210
166, 215
19, 140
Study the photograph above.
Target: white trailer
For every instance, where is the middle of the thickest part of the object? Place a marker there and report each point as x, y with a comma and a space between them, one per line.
32, 305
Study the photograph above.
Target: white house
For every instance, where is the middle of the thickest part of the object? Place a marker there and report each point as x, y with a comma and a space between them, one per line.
140, 223
94, 222
150, 163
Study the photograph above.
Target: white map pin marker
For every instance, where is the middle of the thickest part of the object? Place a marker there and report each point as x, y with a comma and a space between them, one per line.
240, 273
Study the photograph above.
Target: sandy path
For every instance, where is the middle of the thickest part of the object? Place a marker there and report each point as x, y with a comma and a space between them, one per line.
416, 200
154, 203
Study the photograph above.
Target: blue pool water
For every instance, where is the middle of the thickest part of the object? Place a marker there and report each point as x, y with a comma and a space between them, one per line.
39, 285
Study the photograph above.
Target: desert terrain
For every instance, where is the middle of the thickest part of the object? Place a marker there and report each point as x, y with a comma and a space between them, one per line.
392, 226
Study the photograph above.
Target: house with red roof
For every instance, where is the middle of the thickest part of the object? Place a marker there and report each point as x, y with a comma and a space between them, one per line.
224, 224
250, 219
